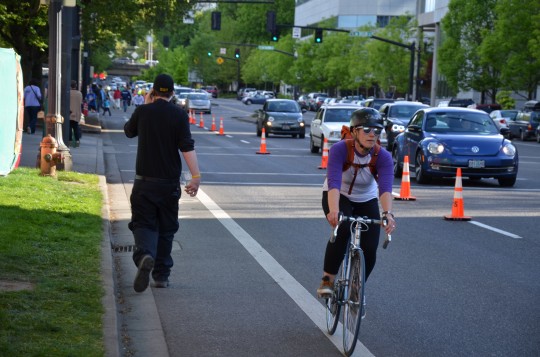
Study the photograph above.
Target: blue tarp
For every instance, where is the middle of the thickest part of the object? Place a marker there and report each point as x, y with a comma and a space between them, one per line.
11, 110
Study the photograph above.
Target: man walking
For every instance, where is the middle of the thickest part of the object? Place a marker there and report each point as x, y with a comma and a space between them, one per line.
162, 129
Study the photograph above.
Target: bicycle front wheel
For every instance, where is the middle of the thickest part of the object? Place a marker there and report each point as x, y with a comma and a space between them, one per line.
352, 313
333, 304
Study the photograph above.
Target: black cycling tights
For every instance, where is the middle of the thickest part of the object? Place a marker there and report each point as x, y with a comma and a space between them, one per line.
369, 241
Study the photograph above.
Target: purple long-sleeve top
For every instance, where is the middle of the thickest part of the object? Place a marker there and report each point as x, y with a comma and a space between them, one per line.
365, 186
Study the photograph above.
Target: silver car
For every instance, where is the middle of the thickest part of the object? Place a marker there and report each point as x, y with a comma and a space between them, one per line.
198, 102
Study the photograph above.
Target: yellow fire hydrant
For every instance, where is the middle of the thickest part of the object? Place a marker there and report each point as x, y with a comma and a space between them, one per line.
49, 156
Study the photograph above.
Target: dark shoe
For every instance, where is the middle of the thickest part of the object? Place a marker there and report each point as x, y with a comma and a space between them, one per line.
142, 278
326, 288
161, 284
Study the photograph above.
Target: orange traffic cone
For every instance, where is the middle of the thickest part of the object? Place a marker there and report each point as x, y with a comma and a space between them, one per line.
221, 126
457, 206
262, 150
324, 160
405, 192
201, 123
213, 127
191, 121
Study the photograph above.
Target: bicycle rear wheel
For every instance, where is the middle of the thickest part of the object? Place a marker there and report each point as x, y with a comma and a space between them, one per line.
352, 313
333, 305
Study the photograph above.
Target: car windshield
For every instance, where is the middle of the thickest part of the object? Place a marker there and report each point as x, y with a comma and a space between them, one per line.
197, 96
283, 107
510, 114
464, 123
403, 111
338, 115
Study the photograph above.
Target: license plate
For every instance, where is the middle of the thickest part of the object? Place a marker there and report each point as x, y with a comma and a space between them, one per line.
477, 164
286, 127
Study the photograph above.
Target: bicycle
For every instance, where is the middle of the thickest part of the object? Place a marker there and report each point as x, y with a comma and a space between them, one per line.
349, 283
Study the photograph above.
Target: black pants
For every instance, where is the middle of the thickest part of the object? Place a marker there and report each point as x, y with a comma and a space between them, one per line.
74, 129
369, 241
154, 221
105, 110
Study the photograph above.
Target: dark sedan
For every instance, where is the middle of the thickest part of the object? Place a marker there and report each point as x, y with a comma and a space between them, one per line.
396, 116
255, 99
440, 140
281, 117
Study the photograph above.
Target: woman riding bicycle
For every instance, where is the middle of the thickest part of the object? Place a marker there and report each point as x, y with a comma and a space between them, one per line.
357, 195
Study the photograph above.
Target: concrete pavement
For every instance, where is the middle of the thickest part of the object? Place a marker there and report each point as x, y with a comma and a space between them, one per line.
122, 306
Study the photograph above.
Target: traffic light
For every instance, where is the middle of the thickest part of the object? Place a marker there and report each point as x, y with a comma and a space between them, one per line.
216, 20
271, 21
209, 53
318, 36
275, 36
237, 53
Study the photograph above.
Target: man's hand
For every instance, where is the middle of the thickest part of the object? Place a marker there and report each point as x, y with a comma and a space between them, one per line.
192, 186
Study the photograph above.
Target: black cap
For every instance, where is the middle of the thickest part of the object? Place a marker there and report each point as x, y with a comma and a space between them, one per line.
163, 83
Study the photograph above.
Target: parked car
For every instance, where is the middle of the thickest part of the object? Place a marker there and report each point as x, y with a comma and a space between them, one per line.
524, 126
396, 116
438, 141
198, 102
488, 108
376, 103
213, 90
538, 134
461, 102
312, 98
502, 117
281, 117
255, 99
242, 91
303, 102
328, 123
532, 106
269, 94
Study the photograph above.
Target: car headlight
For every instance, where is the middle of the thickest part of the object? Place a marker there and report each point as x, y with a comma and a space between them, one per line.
398, 128
509, 150
270, 118
335, 135
435, 148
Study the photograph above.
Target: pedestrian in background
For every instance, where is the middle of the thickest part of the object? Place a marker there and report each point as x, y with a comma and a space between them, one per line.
107, 105
138, 99
126, 98
117, 95
75, 105
32, 104
162, 129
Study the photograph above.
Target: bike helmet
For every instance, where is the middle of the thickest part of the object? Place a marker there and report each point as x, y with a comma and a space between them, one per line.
367, 117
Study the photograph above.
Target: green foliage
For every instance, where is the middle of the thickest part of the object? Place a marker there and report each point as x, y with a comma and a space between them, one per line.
505, 100
50, 239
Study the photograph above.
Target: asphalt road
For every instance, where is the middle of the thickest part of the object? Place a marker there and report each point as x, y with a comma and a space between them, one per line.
252, 245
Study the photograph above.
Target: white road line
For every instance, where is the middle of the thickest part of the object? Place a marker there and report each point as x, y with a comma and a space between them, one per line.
245, 142
497, 230
309, 304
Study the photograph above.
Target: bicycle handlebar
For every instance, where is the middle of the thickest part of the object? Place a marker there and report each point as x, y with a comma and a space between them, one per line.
365, 220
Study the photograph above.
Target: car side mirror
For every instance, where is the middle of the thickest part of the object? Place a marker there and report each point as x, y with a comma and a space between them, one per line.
504, 131
414, 128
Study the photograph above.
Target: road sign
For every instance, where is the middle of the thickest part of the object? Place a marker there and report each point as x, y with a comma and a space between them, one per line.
297, 32
360, 33
220, 60
269, 48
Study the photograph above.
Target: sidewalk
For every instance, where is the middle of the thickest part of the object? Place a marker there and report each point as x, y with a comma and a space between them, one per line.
89, 158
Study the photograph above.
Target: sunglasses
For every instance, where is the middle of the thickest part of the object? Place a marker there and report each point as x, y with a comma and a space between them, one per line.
368, 130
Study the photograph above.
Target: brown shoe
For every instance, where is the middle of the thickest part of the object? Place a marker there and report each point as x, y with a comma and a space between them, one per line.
326, 288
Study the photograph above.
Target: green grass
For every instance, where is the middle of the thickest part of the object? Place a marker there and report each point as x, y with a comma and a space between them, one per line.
50, 234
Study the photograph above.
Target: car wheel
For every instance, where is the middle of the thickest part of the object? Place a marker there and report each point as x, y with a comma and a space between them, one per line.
507, 181
248, 102
302, 136
421, 177
398, 169
522, 136
314, 149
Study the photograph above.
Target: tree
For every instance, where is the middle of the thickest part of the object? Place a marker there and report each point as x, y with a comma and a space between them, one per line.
23, 26
515, 44
465, 27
